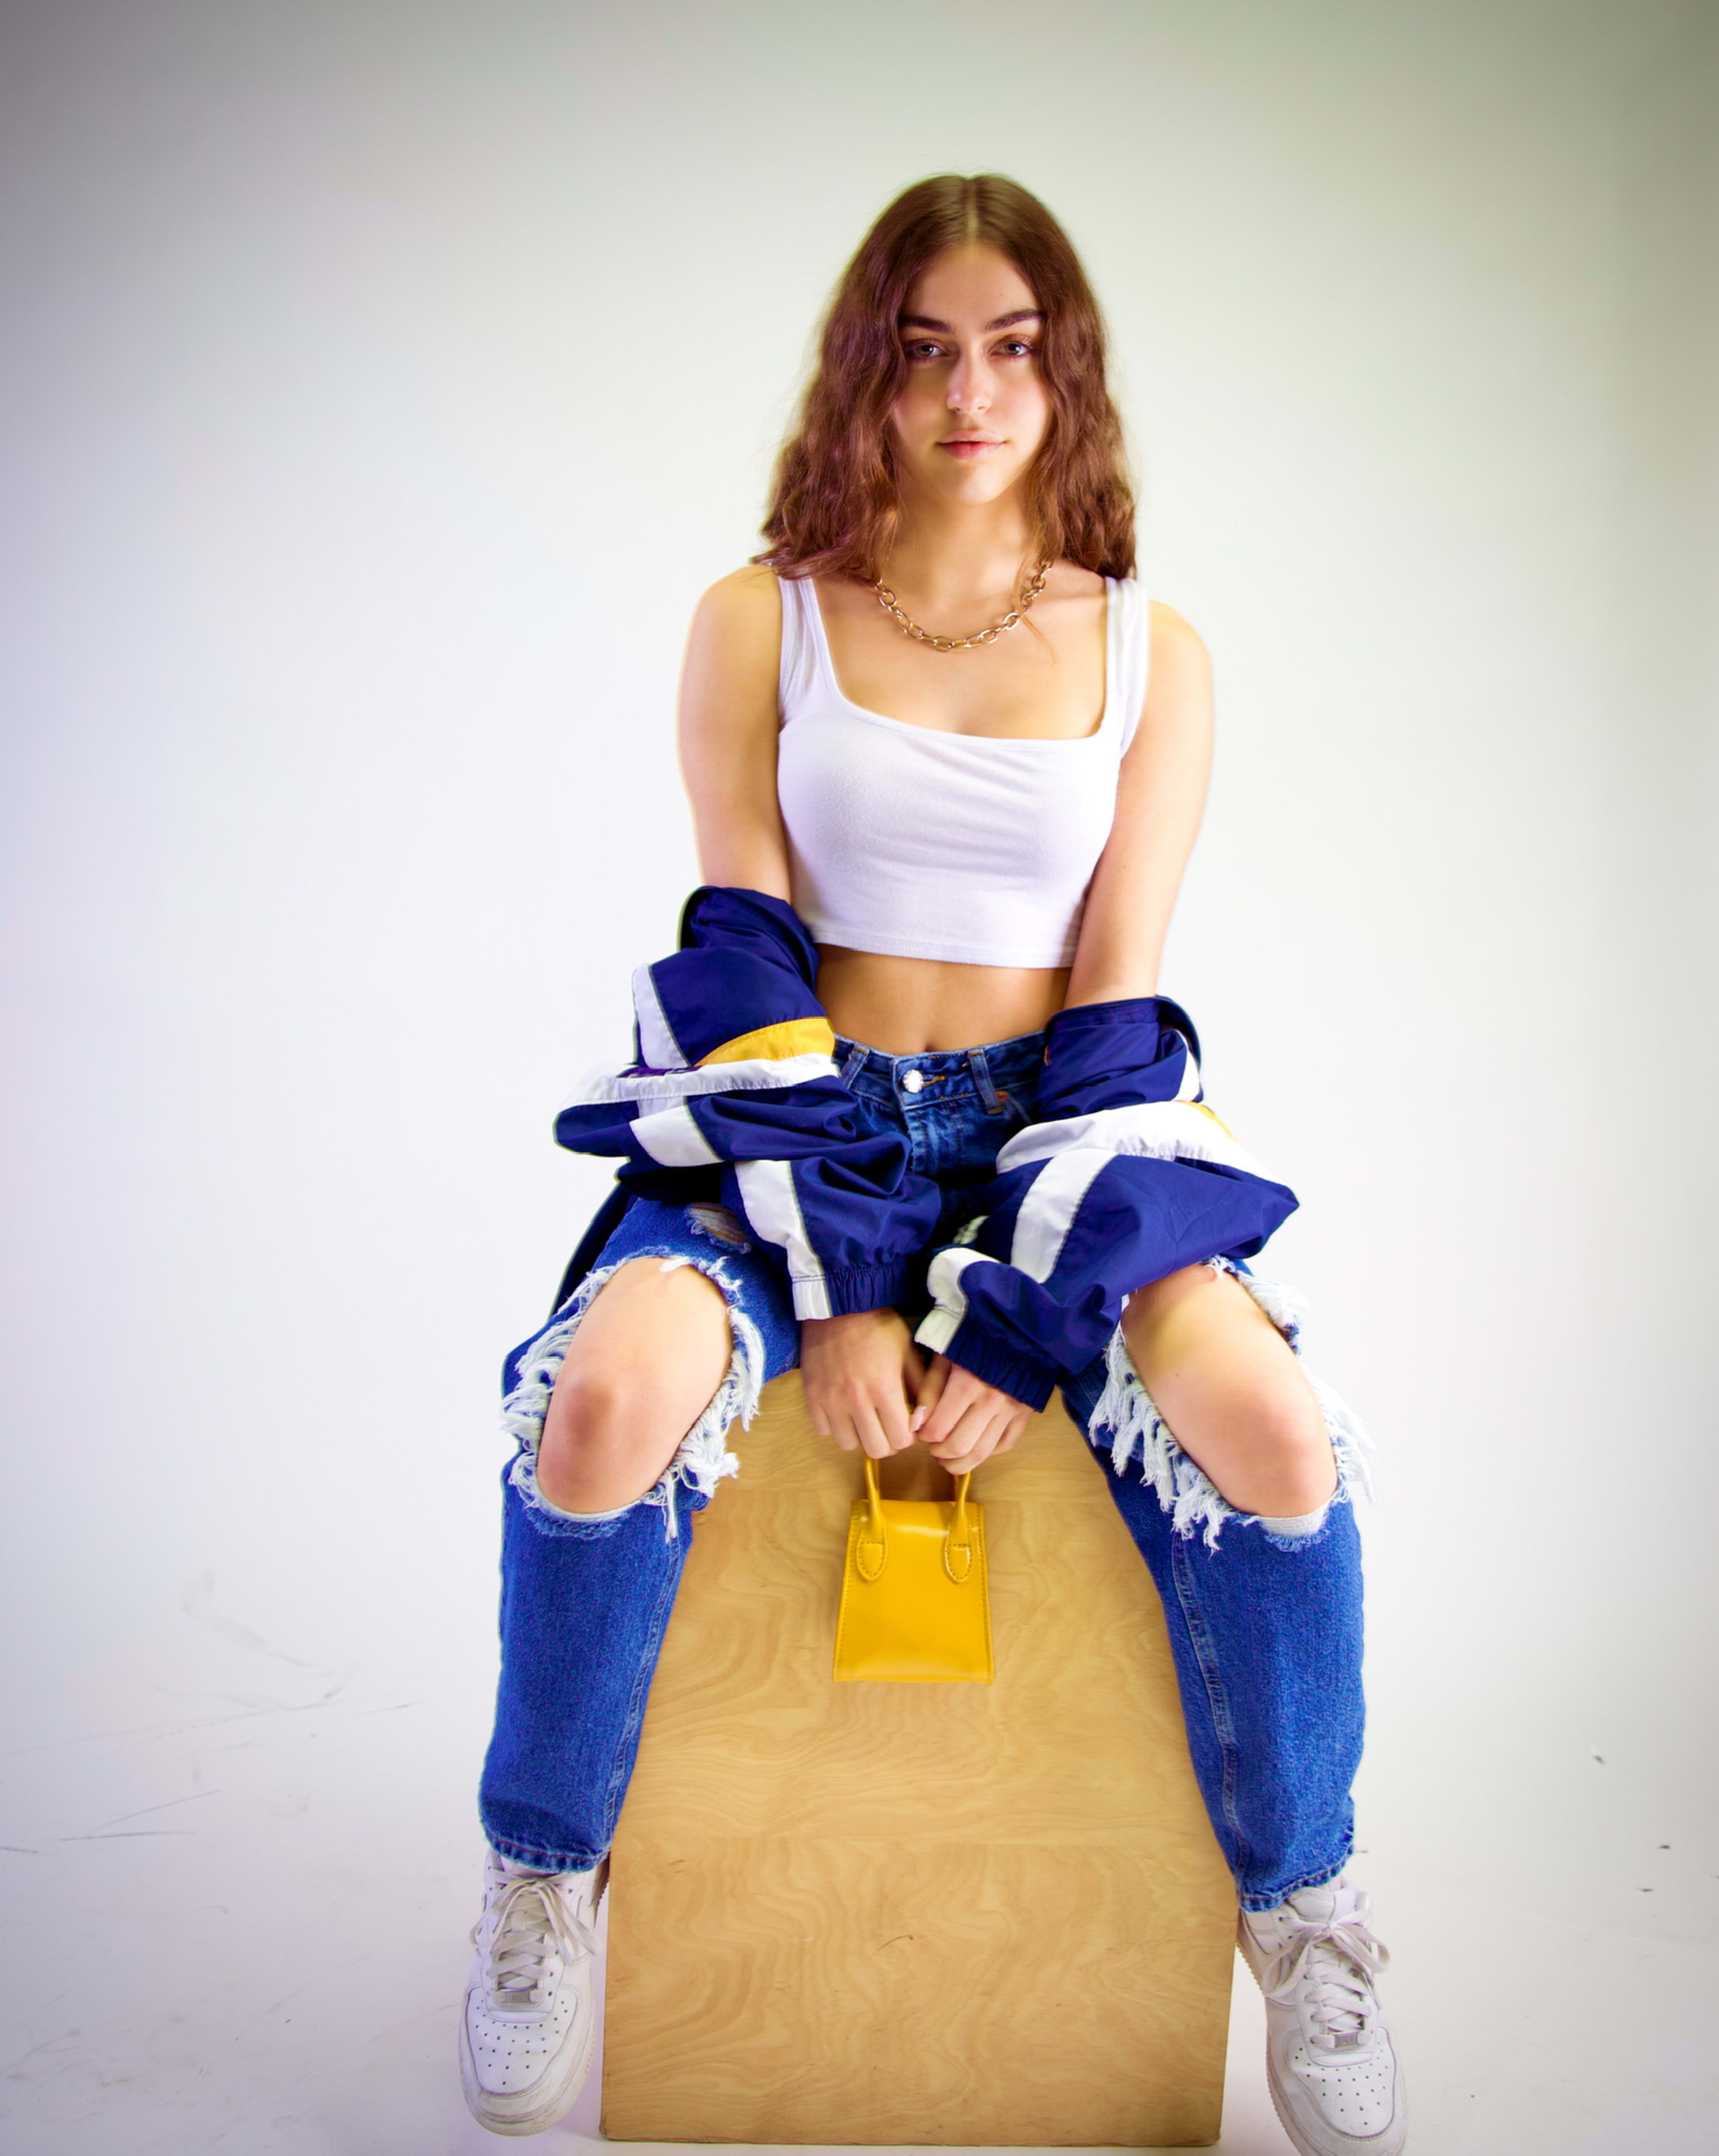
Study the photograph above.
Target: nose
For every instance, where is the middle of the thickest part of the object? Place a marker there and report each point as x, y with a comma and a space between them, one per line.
970, 388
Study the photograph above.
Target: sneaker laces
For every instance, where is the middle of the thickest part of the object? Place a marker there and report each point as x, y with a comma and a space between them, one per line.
1325, 1967
532, 1924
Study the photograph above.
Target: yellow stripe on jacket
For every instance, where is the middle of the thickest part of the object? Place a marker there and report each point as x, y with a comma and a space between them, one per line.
793, 1036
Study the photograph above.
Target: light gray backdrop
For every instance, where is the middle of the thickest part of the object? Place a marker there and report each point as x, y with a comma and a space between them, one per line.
383, 383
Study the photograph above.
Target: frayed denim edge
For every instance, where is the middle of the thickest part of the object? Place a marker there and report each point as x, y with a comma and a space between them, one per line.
1128, 1412
701, 1457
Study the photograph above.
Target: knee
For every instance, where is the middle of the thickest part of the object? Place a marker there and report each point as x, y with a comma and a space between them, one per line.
1266, 1450
1232, 1392
649, 1355
603, 1434
1291, 1468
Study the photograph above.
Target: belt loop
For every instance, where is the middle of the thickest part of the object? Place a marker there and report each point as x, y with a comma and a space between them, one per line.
981, 1069
850, 1069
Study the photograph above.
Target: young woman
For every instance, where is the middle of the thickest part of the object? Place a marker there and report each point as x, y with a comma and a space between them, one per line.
947, 765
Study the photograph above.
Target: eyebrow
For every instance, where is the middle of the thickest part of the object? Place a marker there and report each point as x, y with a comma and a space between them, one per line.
1002, 322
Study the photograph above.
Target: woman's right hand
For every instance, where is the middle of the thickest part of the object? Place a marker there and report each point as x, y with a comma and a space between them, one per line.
861, 1375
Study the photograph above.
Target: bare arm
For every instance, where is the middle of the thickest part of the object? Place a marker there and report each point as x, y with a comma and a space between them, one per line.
1160, 792
728, 721
1160, 795
860, 1373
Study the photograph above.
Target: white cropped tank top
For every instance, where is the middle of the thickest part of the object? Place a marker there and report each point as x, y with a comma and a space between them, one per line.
926, 845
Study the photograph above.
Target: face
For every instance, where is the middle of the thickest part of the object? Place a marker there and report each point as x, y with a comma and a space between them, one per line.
974, 408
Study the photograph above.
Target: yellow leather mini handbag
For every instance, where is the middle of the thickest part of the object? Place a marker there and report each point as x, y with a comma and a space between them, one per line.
915, 1604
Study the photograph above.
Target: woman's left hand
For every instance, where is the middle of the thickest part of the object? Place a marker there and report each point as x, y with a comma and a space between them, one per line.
962, 1421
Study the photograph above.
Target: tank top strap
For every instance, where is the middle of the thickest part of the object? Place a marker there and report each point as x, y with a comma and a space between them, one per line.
1133, 654
796, 678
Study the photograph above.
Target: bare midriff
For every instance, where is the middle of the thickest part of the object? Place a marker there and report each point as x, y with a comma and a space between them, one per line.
930, 1006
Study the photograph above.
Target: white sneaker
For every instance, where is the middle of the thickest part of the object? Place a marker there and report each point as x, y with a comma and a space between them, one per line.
1333, 2069
526, 2032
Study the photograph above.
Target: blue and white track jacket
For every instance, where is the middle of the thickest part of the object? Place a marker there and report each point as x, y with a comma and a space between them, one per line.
1125, 1176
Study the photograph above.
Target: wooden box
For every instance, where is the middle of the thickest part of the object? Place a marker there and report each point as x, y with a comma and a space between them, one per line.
939, 1914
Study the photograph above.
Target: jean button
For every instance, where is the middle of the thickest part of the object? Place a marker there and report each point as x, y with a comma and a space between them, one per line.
911, 1081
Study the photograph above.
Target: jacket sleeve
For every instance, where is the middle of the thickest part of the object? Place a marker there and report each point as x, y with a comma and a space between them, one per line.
733, 1089
1125, 1176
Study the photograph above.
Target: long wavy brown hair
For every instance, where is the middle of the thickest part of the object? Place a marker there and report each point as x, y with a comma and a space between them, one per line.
834, 504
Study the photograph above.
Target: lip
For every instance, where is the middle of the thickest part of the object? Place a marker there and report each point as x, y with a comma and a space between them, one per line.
970, 445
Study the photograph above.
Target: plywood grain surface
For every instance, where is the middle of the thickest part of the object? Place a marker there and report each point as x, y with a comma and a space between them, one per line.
930, 1914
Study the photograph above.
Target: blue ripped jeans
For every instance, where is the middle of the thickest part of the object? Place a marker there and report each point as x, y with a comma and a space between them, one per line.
1265, 1626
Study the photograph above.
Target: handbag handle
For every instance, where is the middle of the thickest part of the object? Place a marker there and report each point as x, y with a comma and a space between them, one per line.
872, 1546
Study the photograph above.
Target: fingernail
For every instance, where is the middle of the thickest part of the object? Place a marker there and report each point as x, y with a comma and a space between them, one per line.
919, 1415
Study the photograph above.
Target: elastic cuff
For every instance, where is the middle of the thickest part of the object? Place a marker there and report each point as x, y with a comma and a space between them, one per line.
1021, 1376
860, 1287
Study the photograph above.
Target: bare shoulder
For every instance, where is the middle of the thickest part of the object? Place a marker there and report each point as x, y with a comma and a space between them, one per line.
753, 584
1178, 673
1177, 715
734, 655
742, 611
728, 722
1175, 642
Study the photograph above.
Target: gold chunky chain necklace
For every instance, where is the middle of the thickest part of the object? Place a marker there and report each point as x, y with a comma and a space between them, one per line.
887, 600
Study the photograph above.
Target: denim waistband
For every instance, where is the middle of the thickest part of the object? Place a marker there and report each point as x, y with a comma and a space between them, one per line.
942, 1074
